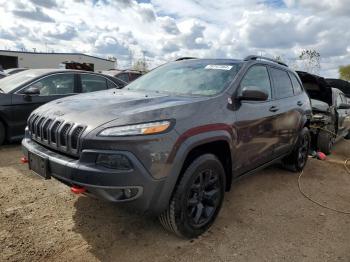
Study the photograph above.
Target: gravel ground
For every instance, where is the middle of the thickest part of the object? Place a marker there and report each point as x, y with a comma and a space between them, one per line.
264, 218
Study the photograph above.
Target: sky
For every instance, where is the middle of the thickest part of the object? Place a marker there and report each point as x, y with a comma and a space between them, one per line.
163, 30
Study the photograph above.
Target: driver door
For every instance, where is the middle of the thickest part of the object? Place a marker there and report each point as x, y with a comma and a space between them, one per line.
50, 88
255, 123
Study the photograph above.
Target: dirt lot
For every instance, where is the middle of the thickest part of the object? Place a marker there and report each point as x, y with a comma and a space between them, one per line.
264, 218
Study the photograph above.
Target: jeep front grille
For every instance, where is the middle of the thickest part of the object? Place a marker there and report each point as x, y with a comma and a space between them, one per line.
56, 134
74, 138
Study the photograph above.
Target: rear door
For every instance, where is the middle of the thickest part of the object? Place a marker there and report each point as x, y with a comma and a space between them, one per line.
51, 87
255, 123
288, 114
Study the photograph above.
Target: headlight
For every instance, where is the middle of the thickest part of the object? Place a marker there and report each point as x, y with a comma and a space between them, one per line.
139, 129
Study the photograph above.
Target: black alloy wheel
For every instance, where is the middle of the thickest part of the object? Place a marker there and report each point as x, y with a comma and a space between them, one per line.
297, 159
197, 198
303, 151
203, 198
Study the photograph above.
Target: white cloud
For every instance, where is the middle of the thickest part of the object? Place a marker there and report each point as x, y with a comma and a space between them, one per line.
164, 30
336, 7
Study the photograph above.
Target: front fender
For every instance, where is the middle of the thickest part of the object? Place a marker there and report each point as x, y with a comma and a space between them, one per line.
177, 159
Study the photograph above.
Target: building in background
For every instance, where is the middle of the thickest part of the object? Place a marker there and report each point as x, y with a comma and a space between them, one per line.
12, 59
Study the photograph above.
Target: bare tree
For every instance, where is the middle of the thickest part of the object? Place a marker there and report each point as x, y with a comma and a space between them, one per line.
310, 61
140, 65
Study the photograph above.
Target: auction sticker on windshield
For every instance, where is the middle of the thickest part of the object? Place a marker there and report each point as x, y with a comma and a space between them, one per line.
219, 67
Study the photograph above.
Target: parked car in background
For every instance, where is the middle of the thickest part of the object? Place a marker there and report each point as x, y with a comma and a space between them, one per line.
77, 66
2, 74
125, 75
23, 92
340, 84
171, 142
331, 112
12, 71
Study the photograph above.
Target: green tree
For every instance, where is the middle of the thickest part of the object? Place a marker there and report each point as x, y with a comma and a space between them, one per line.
310, 59
344, 72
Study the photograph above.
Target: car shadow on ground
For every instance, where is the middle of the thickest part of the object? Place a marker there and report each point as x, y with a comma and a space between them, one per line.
111, 230
12, 146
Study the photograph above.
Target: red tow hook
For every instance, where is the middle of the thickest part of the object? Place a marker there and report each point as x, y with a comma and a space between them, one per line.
77, 189
24, 160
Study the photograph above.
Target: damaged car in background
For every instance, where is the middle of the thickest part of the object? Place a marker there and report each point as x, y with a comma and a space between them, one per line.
331, 112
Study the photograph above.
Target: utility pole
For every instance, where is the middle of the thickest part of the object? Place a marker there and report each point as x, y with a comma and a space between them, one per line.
131, 58
143, 60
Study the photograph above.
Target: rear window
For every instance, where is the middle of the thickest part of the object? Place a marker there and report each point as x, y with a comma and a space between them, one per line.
123, 76
281, 82
133, 76
92, 83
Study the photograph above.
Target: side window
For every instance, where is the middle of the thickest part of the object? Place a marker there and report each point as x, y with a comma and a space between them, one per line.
282, 84
259, 77
123, 76
59, 84
296, 84
92, 83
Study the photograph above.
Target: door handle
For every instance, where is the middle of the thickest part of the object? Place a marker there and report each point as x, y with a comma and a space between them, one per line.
274, 109
300, 103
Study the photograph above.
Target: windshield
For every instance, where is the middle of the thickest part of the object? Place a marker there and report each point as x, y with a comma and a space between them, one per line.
190, 77
9, 83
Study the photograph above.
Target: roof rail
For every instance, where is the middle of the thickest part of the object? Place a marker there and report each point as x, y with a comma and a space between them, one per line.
256, 57
185, 58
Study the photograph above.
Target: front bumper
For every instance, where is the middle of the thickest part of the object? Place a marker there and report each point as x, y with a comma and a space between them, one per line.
104, 183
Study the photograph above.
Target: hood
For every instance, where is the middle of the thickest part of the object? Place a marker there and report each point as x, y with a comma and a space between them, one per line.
319, 106
122, 106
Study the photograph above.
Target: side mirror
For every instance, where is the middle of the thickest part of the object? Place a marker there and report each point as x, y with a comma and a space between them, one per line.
344, 106
31, 91
253, 93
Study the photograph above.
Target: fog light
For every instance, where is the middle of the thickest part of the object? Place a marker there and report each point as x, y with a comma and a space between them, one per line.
127, 193
114, 161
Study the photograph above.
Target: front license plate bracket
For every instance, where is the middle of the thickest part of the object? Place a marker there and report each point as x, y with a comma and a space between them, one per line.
39, 165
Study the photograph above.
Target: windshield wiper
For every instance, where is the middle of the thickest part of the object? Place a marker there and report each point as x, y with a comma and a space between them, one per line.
1, 91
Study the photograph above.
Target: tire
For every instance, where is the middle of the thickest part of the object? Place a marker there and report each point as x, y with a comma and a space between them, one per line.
197, 199
2, 133
325, 142
297, 160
